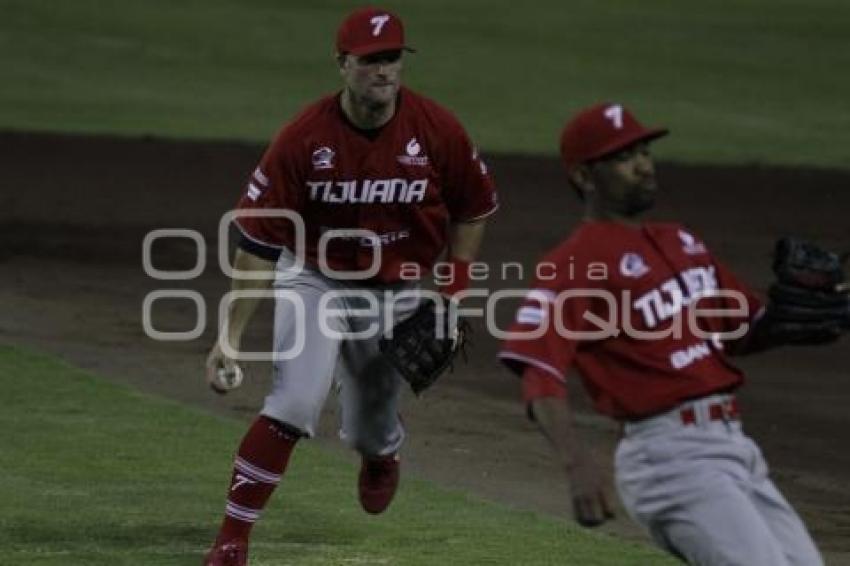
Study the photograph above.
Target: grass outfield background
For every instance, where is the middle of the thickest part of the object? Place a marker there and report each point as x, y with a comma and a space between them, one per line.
737, 80
95, 473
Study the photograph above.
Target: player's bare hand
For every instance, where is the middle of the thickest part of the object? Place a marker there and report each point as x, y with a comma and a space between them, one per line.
591, 503
222, 373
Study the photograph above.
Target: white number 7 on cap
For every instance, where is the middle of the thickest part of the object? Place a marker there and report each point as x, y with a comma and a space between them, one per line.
378, 22
615, 114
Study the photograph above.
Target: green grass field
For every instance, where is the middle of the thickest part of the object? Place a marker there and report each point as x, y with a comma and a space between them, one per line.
737, 80
94, 474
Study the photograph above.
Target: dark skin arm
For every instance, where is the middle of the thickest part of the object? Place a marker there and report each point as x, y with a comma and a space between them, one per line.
591, 504
766, 334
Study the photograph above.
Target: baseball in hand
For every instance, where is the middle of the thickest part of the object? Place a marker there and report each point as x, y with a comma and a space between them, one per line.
228, 378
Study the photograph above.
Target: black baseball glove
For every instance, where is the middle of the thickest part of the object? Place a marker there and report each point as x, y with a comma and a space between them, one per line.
424, 345
809, 303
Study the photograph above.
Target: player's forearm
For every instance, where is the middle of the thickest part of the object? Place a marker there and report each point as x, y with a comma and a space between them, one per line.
555, 420
465, 239
591, 504
242, 309
754, 341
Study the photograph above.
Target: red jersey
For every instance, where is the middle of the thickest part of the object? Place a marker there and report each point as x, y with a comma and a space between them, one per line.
626, 306
404, 183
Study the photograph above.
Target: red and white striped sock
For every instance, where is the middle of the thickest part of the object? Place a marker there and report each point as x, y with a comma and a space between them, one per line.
257, 469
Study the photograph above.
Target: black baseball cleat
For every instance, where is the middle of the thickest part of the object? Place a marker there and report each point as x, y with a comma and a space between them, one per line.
378, 482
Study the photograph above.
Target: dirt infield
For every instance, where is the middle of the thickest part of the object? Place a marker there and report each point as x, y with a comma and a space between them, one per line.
75, 211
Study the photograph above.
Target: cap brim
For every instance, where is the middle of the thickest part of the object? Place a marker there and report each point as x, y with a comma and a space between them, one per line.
622, 143
379, 47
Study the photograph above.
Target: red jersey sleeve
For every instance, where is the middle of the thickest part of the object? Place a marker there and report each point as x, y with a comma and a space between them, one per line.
537, 384
468, 189
533, 339
551, 324
274, 184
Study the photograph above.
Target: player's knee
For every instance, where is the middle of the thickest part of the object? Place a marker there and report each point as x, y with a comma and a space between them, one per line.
293, 420
284, 428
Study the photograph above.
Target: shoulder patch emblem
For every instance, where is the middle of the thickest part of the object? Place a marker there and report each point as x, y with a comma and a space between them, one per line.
633, 265
691, 245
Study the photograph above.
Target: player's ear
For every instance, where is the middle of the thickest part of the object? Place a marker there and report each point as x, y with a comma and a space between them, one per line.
341, 60
581, 179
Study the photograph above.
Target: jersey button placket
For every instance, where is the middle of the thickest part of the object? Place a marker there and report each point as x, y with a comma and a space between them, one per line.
368, 171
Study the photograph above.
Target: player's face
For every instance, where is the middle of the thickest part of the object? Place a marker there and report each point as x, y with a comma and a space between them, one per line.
373, 79
625, 182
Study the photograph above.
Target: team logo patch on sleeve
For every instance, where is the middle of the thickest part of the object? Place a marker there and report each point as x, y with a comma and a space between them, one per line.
632, 265
260, 177
258, 183
534, 311
323, 158
691, 245
254, 192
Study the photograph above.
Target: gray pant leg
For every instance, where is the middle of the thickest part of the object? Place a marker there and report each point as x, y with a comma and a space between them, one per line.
692, 488
783, 521
369, 396
722, 528
370, 388
301, 384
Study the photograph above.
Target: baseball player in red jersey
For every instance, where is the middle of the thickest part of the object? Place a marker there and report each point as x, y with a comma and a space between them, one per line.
648, 317
381, 159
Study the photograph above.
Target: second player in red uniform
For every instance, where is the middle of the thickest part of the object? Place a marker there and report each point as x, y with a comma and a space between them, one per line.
628, 304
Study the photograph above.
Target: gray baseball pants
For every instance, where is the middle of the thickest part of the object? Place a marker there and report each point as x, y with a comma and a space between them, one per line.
702, 491
328, 332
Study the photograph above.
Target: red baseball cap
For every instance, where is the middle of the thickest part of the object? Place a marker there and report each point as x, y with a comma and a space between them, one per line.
370, 30
601, 130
